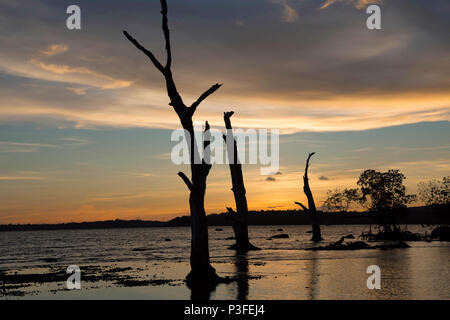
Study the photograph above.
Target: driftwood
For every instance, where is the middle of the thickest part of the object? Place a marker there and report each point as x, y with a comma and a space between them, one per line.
239, 218
201, 270
311, 210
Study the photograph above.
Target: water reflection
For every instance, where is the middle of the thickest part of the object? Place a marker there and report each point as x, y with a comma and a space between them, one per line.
241, 265
312, 277
201, 293
396, 277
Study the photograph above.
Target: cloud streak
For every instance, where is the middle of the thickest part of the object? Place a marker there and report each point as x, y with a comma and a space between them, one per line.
358, 4
19, 147
55, 49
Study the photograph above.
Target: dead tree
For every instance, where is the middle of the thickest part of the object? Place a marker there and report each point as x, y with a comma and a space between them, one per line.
311, 210
202, 273
240, 217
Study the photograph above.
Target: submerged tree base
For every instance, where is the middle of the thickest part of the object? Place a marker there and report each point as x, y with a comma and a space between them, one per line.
244, 247
203, 281
441, 233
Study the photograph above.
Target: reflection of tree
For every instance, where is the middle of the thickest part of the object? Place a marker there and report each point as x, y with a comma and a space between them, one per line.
200, 293
241, 264
396, 275
312, 277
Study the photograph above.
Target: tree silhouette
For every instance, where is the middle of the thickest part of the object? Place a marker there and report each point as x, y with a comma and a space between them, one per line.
340, 200
385, 194
311, 210
239, 218
202, 273
435, 192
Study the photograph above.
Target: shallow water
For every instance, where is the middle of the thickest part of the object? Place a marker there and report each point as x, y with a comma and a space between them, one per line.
282, 270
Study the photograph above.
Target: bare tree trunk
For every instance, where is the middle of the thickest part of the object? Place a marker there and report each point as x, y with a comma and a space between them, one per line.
239, 219
202, 273
316, 236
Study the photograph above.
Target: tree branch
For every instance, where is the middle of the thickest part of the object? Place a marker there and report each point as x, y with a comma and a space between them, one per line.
226, 118
301, 205
204, 96
232, 215
207, 136
307, 164
186, 180
165, 28
145, 51
230, 210
206, 142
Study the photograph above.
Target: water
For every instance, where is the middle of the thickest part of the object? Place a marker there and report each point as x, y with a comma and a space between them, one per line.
282, 270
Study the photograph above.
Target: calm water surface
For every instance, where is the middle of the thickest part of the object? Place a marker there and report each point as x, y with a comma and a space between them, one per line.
282, 270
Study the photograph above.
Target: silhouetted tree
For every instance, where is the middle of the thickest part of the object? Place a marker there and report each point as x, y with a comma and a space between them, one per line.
239, 218
435, 192
311, 210
340, 200
202, 273
385, 194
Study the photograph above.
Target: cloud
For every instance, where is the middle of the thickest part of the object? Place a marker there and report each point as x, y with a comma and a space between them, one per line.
75, 141
19, 178
18, 147
323, 178
271, 179
358, 4
328, 75
289, 13
24, 147
327, 4
55, 49
80, 75
276, 173
79, 91
163, 156
366, 149
147, 174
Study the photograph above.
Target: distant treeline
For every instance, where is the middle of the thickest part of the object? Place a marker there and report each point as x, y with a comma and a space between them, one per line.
415, 215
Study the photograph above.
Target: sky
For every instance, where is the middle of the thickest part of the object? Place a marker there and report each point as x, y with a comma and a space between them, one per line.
85, 124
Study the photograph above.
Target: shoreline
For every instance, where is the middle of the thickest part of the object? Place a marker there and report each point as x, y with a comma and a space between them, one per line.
416, 215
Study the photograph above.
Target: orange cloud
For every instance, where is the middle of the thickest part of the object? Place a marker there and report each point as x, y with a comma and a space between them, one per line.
55, 49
